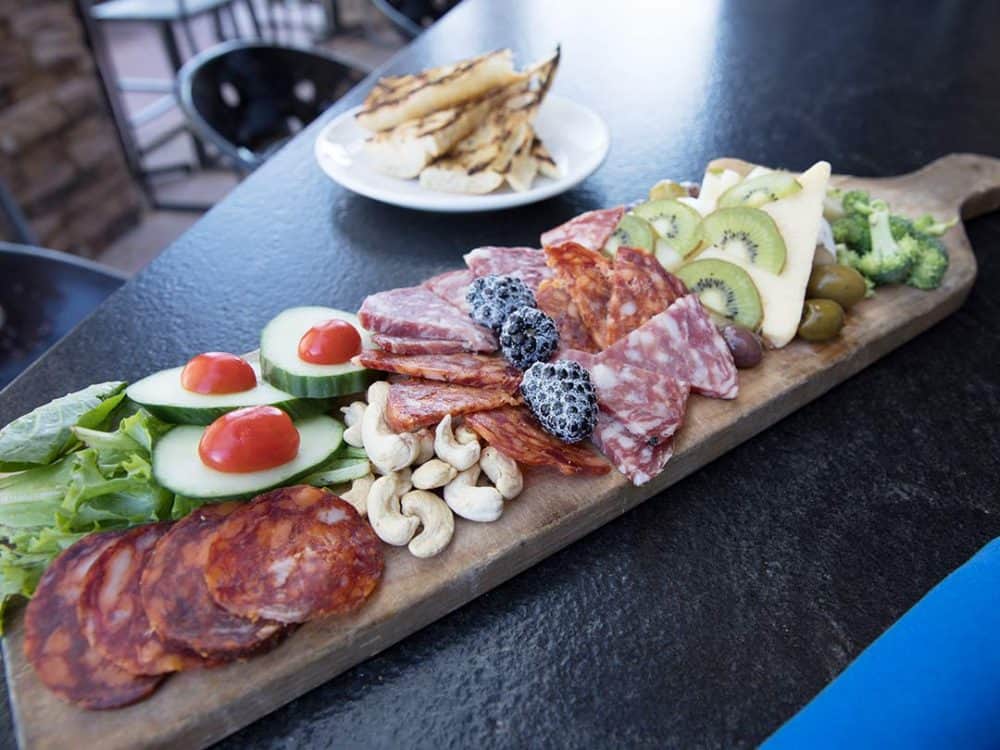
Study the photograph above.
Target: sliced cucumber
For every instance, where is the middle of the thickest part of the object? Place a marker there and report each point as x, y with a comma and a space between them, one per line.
163, 396
349, 451
178, 467
339, 472
284, 369
632, 231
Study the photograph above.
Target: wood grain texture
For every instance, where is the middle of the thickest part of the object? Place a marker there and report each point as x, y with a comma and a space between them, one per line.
195, 709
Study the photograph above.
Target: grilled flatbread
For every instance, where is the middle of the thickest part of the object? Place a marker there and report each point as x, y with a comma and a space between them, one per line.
547, 166
523, 167
396, 99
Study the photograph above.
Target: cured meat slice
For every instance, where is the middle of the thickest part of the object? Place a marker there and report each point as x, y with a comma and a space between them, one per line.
650, 404
514, 432
637, 459
640, 288
293, 554
397, 345
462, 369
684, 343
420, 403
177, 601
586, 275
525, 263
452, 286
417, 313
591, 229
54, 642
111, 611
553, 299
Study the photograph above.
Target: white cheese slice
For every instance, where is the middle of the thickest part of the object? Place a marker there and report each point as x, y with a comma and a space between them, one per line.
798, 218
713, 185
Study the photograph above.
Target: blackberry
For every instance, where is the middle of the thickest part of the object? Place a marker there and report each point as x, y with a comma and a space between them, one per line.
493, 298
528, 336
562, 398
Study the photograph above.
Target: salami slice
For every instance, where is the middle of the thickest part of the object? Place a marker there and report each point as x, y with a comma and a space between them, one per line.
293, 554
176, 599
420, 403
637, 459
462, 369
586, 275
684, 343
418, 313
451, 286
111, 611
640, 289
591, 229
514, 432
553, 299
54, 642
398, 345
525, 263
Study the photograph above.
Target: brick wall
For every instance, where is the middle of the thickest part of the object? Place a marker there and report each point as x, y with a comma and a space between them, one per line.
59, 153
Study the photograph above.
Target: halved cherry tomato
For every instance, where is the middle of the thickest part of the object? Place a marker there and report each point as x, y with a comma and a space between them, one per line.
250, 439
330, 343
218, 372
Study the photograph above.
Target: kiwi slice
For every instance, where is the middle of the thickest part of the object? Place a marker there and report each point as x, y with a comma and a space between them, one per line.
675, 222
759, 190
724, 288
666, 189
632, 231
669, 258
748, 233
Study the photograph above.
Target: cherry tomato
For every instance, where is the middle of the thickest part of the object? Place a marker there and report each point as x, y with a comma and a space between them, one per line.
250, 439
218, 372
330, 343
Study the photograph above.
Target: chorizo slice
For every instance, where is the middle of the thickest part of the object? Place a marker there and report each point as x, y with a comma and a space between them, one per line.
587, 277
414, 404
463, 369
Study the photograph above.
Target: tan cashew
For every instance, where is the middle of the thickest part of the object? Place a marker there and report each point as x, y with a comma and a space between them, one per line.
391, 526
433, 474
353, 416
358, 494
388, 451
461, 455
426, 453
435, 517
503, 471
469, 501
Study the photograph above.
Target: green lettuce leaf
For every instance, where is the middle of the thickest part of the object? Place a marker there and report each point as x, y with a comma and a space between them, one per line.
43, 435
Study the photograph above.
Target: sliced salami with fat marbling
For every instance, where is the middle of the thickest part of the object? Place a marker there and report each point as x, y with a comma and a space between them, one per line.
418, 313
477, 370
420, 403
452, 287
640, 289
591, 229
524, 263
398, 345
637, 459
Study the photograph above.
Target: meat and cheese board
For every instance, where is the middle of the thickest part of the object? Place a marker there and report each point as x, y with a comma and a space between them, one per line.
413, 585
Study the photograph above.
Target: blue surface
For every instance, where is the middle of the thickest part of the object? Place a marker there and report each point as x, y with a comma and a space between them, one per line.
932, 680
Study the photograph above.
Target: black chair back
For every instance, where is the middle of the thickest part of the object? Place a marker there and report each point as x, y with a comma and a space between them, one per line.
248, 98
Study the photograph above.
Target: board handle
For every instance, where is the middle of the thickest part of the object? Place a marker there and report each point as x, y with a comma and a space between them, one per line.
968, 182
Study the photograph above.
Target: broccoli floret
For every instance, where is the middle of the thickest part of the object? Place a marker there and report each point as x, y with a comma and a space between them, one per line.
889, 261
857, 201
852, 230
931, 262
929, 225
833, 204
900, 227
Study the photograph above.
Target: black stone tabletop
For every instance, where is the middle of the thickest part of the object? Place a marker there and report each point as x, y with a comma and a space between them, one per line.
708, 615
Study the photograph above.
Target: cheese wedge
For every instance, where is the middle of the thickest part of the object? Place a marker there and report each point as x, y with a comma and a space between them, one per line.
713, 184
798, 218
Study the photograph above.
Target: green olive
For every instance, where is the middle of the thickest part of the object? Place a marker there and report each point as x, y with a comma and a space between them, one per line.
842, 284
822, 319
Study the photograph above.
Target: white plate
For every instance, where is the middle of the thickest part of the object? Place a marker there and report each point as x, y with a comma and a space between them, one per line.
576, 137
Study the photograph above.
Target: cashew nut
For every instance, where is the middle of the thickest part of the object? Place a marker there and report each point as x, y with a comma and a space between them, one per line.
353, 416
435, 473
358, 494
455, 447
469, 501
502, 471
387, 451
435, 517
391, 526
426, 453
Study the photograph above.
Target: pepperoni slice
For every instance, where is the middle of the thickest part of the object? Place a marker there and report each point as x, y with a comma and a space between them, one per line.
420, 403
464, 369
514, 432
111, 611
54, 642
640, 289
177, 601
293, 554
587, 277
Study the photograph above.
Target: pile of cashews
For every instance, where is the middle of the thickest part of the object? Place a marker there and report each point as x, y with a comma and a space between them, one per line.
399, 502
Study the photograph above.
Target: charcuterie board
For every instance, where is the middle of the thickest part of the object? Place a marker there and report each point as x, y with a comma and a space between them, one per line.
196, 708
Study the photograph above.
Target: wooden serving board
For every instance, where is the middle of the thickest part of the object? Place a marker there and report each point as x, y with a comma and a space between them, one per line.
197, 708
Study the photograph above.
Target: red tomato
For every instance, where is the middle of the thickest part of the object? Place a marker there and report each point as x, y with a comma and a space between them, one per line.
250, 439
218, 372
330, 343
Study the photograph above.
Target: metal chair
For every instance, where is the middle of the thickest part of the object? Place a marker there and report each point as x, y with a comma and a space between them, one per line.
43, 296
248, 98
